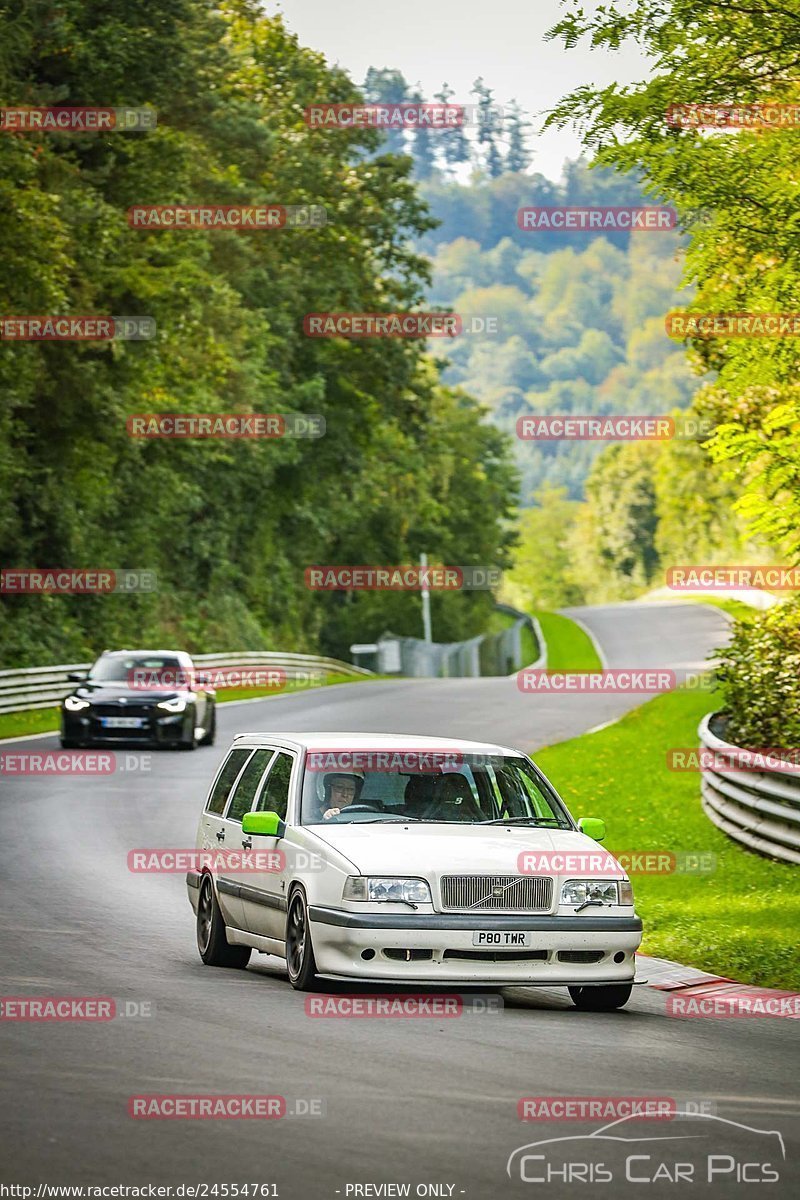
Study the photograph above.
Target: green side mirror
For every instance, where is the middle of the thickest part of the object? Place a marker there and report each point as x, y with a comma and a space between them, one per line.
267, 824
593, 827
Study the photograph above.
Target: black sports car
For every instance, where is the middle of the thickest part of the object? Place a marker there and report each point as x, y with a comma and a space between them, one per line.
153, 697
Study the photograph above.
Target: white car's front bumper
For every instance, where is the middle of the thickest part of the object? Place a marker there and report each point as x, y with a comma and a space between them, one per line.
341, 939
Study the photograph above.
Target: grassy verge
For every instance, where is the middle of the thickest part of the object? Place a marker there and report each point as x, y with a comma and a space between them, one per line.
742, 920
734, 608
569, 648
46, 720
20, 724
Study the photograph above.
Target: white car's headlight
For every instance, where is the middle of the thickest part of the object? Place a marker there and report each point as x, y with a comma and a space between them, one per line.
75, 704
386, 887
175, 705
591, 891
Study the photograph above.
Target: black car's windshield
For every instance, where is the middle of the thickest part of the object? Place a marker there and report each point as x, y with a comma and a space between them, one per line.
433, 787
133, 669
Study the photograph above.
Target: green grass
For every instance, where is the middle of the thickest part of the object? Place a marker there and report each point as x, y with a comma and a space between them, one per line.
47, 720
741, 921
38, 720
569, 648
734, 608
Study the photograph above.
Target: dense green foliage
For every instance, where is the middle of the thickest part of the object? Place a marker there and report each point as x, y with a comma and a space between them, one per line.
579, 330
759, 674
407, 464
736, 193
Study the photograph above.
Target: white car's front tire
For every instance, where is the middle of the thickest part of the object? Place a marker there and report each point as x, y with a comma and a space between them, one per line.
299, 950
602, 998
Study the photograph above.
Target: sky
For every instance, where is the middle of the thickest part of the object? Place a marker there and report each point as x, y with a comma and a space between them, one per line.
501, 40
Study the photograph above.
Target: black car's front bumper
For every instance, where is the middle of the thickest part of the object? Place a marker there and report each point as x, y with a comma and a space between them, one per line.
156, 728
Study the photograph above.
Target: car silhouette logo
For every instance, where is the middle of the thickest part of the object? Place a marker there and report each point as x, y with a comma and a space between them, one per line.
122, 700
704, 1124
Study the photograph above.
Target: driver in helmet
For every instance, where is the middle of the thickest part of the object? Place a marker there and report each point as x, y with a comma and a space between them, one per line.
341, 789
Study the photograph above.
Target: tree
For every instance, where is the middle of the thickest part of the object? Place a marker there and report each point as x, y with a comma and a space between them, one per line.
488, 129
424, 144
737, 196
518, 156
227, 527
541, 577
613, 540
454, 142
387, 85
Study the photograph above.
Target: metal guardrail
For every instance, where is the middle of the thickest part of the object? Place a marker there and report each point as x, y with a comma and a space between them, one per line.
42, 687
487, 654
760, 809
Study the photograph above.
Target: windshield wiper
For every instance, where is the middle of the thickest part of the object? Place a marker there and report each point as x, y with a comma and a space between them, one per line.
384, 821
527, 821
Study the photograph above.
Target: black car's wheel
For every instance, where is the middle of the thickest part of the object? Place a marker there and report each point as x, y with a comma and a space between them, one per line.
211, 941
601, 999
299, 951
68, 743
208, 737
190, 743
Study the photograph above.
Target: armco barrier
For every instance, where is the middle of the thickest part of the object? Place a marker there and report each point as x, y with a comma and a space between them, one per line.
760, 809
42, 687
488, 654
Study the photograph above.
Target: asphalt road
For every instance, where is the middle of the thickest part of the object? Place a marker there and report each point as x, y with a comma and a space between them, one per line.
419, 1102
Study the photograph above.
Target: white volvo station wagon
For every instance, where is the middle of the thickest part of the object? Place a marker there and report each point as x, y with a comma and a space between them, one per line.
402, 860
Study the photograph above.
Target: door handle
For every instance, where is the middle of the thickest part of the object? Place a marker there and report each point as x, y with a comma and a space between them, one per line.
220, 835
247, 843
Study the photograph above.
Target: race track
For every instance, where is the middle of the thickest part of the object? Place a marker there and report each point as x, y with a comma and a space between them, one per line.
405, 1101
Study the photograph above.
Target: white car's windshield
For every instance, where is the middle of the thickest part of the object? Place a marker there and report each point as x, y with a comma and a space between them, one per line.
436, 787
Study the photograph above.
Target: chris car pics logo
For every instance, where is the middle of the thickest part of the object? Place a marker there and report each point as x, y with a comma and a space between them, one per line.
694, 1148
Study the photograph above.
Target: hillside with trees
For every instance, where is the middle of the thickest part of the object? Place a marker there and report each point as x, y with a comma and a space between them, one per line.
407, 463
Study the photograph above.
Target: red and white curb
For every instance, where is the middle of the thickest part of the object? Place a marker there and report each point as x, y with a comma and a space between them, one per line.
689, 982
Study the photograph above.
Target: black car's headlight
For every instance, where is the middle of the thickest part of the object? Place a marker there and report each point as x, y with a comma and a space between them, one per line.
175, 705
75, 704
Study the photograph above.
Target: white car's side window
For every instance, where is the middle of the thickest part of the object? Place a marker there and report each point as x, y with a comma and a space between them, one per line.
275, 792
226, 779
241, 800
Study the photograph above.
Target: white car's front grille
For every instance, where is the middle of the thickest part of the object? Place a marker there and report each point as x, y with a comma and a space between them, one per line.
510, 893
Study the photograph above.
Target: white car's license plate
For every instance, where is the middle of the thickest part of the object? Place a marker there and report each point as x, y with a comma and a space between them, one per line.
122, 722
505, 939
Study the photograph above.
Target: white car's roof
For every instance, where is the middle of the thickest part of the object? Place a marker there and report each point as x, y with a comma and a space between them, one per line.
376, 741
